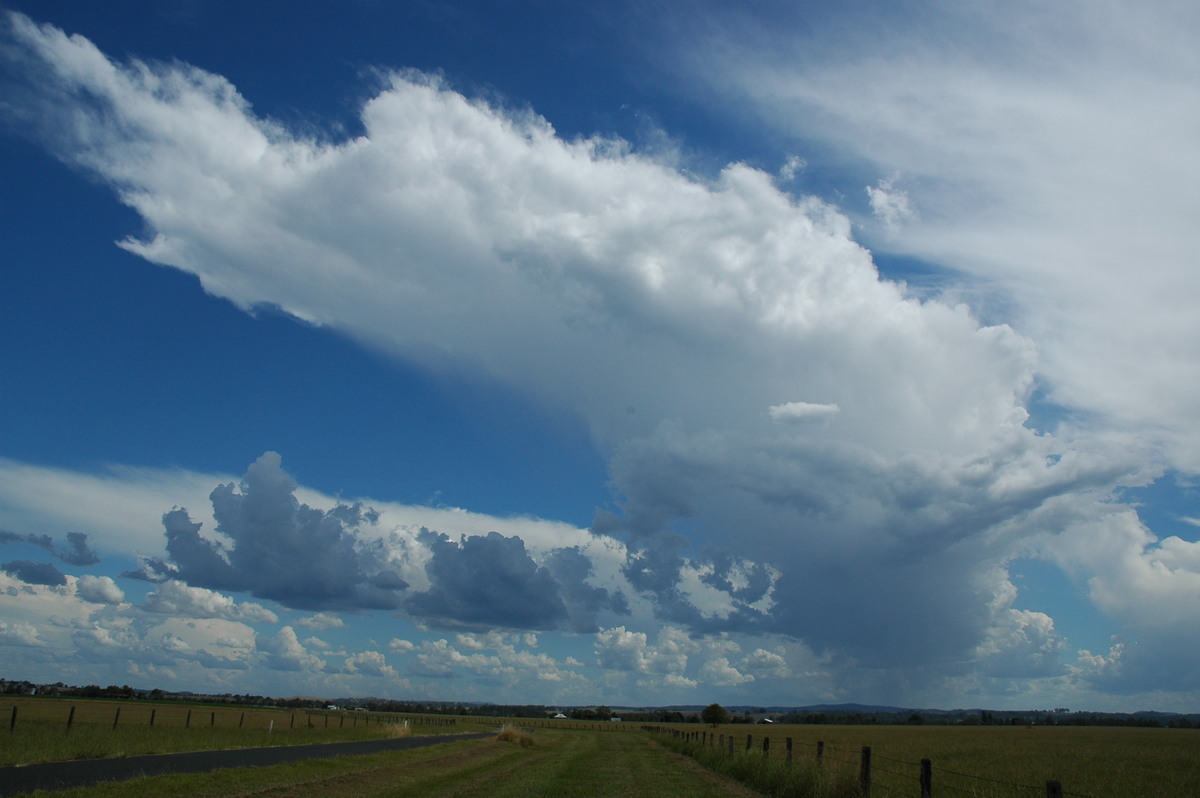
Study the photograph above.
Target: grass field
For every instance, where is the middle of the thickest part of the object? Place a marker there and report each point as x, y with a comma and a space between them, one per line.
40, 732
559, 762
1102, 762
981, 761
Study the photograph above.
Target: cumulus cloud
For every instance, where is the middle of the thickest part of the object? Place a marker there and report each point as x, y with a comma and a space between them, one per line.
322, 620
35, 573
99, 590
20, 633
485, 582
284, 652
279, 548
369, 663
175, 598
76, 552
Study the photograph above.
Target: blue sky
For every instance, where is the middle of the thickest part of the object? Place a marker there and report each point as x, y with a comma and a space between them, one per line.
623, 354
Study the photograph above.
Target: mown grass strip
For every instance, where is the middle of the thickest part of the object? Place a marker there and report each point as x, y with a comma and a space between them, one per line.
576, 763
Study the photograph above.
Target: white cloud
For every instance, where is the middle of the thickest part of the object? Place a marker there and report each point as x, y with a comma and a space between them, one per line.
797, 411
99, 590
1050, 150
173, 597
121, 507
892, 206
322, 620
792, 167
285, 652
370, 663
20, 633
719, 672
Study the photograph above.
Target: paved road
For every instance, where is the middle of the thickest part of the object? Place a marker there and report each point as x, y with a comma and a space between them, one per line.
86, 772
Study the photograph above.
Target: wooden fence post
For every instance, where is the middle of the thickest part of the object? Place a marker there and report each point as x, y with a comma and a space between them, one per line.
766, 747
116, 718
731, 744
820, 753
864, 771
152, 714
12, 722
242, 720
749, 741
1053, 789
926, 779
212, 721
71, 718
788, 743
187, 722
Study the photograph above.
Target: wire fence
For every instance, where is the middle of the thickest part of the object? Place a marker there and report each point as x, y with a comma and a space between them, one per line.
902, 776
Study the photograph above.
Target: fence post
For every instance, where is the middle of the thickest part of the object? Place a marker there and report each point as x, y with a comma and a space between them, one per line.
789, 750
116, 718
864, 771
71, 718
731, 745
820, 753
749, 741
187, 722
212, 721
1053, 789
766, 747
153, 712
926, 779
12, 723
242, 720
292, 722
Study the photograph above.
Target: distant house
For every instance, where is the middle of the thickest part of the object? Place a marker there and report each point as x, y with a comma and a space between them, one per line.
560, 716
614, 720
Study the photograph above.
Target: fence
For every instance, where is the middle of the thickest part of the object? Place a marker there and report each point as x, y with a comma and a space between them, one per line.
868, 763
192, 717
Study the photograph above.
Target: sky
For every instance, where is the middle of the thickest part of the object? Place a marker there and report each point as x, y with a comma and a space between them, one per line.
769, 353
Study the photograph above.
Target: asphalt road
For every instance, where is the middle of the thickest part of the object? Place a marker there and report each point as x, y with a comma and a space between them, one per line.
86, 772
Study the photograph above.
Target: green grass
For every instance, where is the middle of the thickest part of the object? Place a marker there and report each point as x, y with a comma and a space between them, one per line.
41, 733
559, 762
986, 761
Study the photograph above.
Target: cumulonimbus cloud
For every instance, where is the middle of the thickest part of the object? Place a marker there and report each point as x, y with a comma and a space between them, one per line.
682, 318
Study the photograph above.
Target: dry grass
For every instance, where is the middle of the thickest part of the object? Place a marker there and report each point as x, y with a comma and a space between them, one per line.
511, 734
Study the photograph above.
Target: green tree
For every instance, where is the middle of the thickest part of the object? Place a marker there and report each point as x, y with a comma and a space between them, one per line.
714, 715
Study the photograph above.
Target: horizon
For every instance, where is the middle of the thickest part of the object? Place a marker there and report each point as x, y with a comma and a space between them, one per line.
816, 350
748, 709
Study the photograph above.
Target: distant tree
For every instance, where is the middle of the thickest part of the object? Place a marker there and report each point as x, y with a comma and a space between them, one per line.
714, 715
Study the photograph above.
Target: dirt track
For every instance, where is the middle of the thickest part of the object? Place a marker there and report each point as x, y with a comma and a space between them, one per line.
83, 773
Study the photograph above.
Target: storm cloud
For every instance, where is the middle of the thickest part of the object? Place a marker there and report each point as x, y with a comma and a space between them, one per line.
279, 548
486, 583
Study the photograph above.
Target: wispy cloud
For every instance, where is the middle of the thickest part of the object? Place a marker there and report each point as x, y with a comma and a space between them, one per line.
1048, 149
